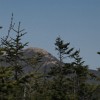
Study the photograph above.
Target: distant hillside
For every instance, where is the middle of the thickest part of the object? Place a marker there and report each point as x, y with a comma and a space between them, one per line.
46, 62
49, 60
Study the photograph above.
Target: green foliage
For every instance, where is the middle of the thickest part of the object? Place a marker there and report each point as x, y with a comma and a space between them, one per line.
11, 68
69, 80
13, 47
63, 49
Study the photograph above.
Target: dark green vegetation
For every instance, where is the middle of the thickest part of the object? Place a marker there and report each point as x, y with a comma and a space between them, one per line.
63, 81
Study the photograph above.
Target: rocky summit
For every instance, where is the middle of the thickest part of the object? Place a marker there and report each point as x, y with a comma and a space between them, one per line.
46, 61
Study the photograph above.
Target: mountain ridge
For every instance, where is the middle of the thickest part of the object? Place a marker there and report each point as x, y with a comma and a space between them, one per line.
34, 50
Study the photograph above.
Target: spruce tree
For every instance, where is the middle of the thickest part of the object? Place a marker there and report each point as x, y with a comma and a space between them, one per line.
13, 47
59, 72
12, 59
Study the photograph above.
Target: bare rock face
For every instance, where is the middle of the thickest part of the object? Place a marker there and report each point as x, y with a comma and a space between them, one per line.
47, 60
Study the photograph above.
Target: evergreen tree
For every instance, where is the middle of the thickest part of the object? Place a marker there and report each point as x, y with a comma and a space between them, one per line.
60, 81
80, 76
13, 47
11, 59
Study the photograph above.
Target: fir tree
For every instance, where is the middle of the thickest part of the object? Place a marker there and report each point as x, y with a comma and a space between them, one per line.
14, 48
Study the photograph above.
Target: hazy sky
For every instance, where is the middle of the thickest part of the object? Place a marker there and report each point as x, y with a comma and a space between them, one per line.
76, 21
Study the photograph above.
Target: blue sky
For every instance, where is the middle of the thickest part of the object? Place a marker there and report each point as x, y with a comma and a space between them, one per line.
76, 21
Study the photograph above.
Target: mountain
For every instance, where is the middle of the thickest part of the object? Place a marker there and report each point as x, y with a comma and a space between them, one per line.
47, 60
45, 63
